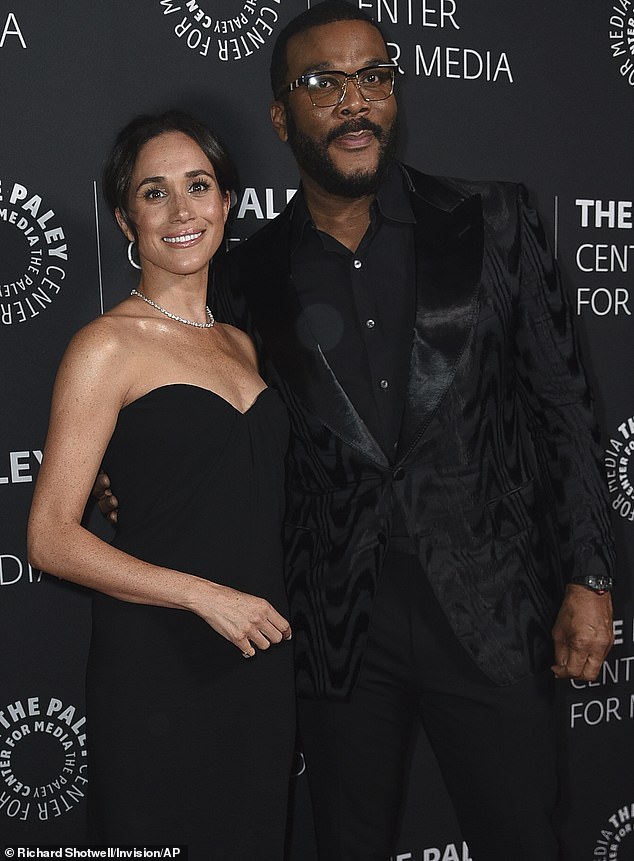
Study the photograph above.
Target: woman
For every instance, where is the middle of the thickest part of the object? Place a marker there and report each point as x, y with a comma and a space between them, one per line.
189, 742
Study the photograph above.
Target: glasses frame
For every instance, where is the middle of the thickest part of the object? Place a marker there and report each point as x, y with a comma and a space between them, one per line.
351, 76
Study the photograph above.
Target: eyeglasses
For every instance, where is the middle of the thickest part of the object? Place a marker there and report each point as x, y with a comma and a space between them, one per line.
327, 89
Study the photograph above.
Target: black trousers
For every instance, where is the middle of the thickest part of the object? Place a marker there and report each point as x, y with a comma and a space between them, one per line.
495, 745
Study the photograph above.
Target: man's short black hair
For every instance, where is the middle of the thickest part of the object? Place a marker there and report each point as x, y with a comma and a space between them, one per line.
323, 13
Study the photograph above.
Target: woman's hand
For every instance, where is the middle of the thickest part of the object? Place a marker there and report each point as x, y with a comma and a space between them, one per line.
245, 620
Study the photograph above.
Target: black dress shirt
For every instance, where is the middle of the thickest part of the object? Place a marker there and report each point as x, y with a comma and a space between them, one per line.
360, 306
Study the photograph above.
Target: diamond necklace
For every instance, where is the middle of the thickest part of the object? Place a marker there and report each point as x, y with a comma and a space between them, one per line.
178, 319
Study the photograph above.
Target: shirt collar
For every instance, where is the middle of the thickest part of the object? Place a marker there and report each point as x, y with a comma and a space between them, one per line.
392, 198
391, 202
300, 219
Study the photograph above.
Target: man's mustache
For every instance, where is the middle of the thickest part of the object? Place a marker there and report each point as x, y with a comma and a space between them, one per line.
355, 126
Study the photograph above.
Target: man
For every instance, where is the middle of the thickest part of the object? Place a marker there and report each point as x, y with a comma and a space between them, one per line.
443, 474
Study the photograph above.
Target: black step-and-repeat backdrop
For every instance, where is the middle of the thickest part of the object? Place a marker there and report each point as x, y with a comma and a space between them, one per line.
541, 92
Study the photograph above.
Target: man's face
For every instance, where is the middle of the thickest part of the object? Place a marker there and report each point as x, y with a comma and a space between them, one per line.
344, 149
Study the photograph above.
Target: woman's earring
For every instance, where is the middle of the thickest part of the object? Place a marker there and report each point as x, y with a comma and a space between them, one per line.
130, 257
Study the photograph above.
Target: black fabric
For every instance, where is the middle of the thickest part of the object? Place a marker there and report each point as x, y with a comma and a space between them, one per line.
498, 474
495, 745
189, 742
359, 306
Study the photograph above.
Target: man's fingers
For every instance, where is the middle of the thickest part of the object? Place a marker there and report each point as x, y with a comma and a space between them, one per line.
102, 482
591, 669
582, 634
560, 667
579, 661
108, 503
101, 487
586, 669
575, 664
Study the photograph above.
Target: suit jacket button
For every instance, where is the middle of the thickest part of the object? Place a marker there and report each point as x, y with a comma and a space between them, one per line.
398, 473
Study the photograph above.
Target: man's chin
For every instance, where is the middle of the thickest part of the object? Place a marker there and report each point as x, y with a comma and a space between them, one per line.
358, 185
356, 182
343, 174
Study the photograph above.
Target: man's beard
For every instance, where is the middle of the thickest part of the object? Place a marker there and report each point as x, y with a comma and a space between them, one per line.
313, 158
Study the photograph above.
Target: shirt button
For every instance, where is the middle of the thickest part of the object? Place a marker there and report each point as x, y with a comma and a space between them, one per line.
357, 264
369, 324
384, 384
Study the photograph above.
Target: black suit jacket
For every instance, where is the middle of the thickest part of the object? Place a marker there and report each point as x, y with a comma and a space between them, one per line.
498, 471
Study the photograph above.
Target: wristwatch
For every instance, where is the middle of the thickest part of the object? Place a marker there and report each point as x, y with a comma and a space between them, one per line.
600, 584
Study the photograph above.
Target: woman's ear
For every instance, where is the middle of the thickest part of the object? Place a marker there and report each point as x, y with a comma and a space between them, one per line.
123, 224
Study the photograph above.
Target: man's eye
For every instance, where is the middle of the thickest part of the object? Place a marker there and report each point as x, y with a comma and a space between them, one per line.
323, 82
375, 77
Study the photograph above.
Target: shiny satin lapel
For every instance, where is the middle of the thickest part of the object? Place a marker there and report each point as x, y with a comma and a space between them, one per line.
449, 241
292, 349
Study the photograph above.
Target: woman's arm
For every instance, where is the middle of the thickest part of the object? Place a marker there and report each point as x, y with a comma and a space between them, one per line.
89, 391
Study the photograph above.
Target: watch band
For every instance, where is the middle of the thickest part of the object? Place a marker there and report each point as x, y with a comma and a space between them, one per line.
600, 583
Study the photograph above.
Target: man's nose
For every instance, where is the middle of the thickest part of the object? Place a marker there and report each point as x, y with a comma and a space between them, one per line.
353, 102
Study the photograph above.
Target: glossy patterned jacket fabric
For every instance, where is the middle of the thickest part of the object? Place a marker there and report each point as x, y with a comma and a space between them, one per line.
498, 470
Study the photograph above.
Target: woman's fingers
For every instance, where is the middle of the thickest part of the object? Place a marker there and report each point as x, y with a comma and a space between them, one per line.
247, 621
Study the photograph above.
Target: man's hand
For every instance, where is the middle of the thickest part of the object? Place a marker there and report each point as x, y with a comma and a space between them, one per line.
107, 502
583, 633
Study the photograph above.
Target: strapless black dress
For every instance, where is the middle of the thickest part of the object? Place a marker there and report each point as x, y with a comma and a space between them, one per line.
189, 742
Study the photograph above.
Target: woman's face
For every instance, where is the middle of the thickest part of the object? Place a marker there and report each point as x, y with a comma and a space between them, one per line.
176, 205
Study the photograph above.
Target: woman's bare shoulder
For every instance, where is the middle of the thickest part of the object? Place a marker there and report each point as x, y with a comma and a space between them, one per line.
104, 347
241, 340
111, 331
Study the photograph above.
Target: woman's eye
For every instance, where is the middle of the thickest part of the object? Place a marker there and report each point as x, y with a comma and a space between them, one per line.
199, 185
153, 193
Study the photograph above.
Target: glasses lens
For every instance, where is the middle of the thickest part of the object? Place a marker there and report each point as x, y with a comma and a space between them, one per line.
376, 83
325, 89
